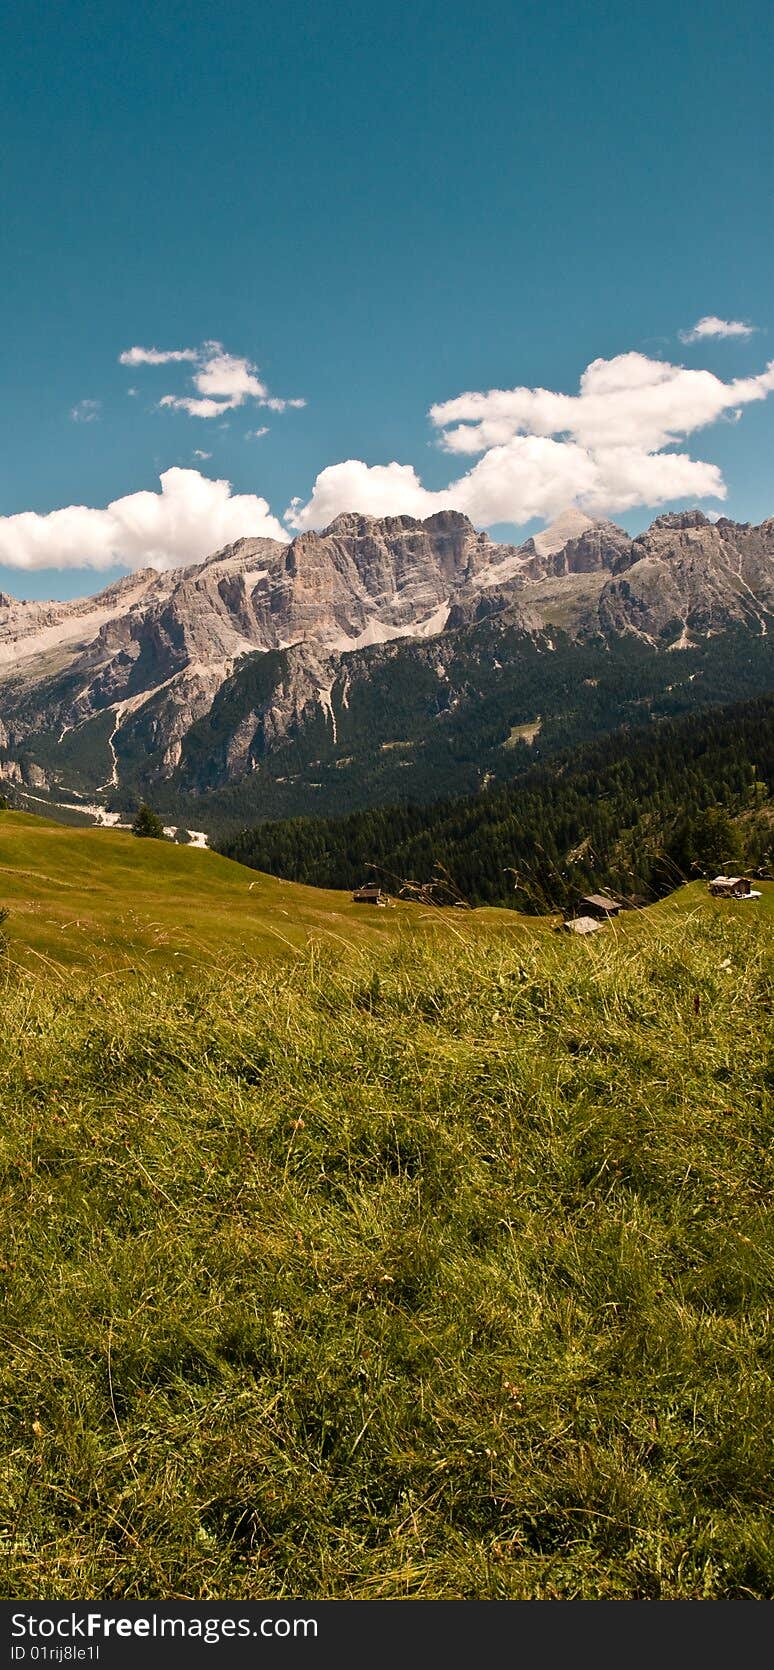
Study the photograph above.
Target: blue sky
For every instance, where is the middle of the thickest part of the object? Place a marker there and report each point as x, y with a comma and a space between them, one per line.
379, 208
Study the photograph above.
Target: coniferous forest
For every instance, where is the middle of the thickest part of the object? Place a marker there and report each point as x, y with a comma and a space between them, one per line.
636, 812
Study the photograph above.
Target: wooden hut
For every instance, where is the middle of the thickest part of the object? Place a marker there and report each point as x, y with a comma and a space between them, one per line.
730, 887
369, 894
599, 905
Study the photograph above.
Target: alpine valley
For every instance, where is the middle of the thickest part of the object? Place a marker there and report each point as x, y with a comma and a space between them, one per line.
377, 661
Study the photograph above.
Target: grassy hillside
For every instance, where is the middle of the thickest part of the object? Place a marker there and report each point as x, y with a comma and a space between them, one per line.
97, 897
102, 900
439, 1269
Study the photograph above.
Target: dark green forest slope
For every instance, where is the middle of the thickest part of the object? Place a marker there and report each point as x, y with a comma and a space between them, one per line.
636, 812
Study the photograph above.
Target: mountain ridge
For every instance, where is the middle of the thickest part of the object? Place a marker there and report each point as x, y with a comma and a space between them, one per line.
106, 696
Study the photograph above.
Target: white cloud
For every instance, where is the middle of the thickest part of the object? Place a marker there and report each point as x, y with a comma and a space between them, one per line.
156, 356
627, 401
256, 434
710, 325
375, 490
275, 405
601, 449
86, 411
198, 453
191, 517
194, 408
222, 381
228, 376
529, 476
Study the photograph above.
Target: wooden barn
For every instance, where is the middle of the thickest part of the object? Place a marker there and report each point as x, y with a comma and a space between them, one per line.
369, 894
599, 905
730, 887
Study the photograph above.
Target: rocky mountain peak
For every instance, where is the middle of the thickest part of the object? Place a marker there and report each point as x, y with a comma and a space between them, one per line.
448, 521
681, 519
569, 524
575, 544
358, 524
242, 554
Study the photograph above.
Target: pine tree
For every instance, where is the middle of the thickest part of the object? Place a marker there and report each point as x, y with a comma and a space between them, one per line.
707, 843
147, 825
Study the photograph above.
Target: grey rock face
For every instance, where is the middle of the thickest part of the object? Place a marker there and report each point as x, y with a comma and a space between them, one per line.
600, 546
688, 577
165, 643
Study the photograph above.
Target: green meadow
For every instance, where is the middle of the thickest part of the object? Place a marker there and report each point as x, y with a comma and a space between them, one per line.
100, 899
367, 1254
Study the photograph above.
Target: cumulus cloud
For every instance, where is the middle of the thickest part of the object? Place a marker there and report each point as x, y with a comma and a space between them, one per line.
222, 381
710, 325
228, 376
627, 401
256, 434
373, 490
530, 476
191, 517
602, 449
198, 453
86, 411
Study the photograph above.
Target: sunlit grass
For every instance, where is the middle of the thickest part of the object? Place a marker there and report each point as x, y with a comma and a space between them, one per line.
434, 1268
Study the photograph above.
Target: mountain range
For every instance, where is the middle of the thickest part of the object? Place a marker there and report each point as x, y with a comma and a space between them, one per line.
380, 659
